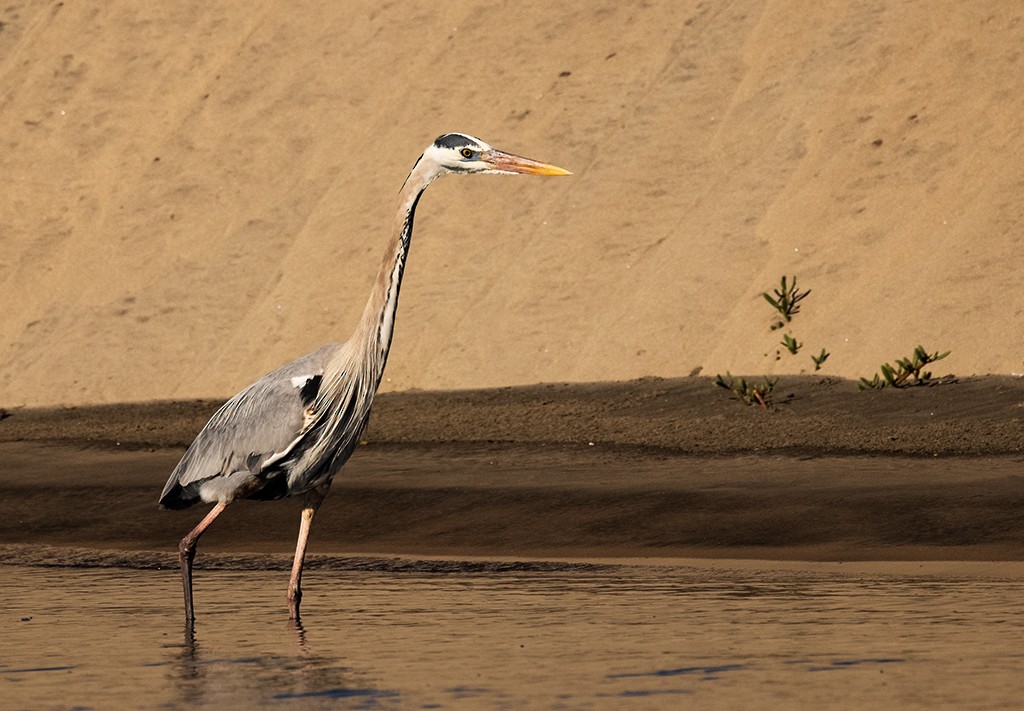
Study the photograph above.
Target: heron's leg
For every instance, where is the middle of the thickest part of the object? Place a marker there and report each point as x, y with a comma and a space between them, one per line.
187, 552
313, 500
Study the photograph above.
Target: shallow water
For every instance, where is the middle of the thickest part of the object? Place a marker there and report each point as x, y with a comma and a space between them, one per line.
577, 637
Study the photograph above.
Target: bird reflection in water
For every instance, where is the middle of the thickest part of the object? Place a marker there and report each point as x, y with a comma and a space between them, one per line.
205, 675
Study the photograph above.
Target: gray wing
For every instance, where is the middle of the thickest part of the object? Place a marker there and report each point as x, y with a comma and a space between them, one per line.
250, 428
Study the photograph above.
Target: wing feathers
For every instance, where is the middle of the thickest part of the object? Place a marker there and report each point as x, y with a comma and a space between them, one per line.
250, 432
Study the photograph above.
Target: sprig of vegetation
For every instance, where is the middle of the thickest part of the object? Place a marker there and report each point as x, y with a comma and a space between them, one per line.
791, 344
820, 358
905, 368
748, 393
786, 301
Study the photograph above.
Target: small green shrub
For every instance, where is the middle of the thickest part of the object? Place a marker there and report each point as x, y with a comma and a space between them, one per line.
820, 358
786, 301
790, 344
904, 369
748, 393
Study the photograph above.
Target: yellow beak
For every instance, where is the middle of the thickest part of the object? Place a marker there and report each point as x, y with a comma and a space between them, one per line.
510, 163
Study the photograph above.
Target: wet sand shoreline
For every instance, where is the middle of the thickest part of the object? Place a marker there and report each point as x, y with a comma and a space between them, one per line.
653, 469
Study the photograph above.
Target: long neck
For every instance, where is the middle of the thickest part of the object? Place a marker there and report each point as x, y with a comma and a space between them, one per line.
372, 337
351, 376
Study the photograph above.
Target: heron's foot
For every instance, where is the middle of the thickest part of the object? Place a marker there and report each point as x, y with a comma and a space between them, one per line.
186, 554
294, 598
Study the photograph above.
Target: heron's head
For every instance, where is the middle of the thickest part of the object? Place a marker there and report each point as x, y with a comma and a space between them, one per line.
459, 153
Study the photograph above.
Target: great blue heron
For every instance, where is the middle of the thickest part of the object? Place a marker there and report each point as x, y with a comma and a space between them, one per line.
291, 431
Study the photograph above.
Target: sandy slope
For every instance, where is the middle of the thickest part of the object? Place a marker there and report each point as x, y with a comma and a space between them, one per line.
193, 193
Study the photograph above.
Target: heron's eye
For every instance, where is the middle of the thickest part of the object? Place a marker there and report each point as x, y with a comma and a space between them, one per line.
467, 152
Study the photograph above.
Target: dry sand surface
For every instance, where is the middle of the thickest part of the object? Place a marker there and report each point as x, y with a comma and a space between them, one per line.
194, 193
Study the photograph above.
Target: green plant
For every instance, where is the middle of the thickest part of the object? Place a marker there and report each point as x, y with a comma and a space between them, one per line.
791, 344
905, 368
748, 393
820, 358
786, 301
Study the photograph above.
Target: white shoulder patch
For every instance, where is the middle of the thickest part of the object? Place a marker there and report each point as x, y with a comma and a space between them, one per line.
299, 381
